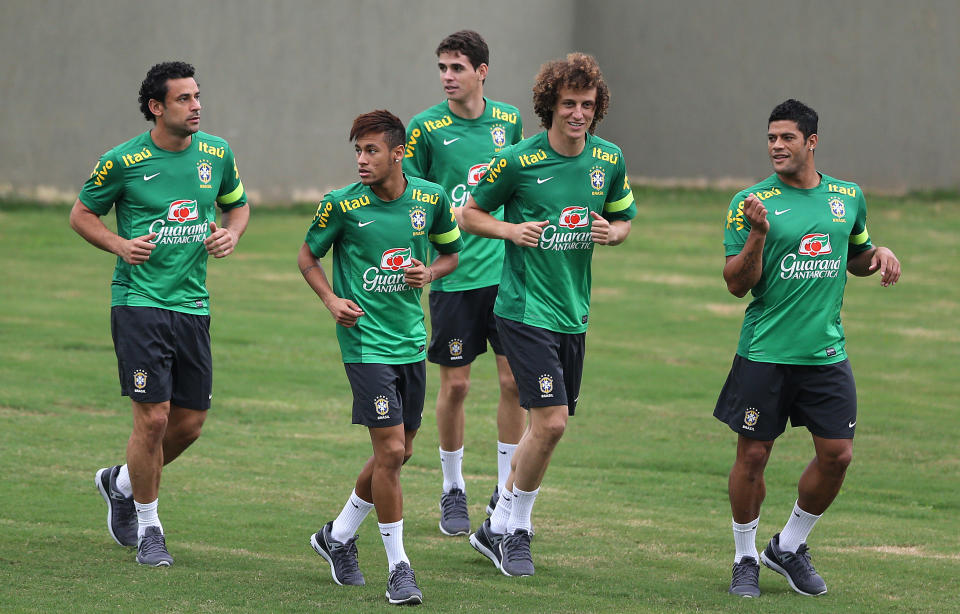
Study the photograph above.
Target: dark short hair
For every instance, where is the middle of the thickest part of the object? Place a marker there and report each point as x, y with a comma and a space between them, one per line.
794, 110
154, 86
381, 121
578, 71
470, 44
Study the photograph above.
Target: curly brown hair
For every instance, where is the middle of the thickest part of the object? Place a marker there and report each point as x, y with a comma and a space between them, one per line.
578, 71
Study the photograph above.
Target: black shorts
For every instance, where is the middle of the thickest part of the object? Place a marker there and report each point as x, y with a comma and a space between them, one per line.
163, 355
461, 324
758, 397
387, 395
548, 366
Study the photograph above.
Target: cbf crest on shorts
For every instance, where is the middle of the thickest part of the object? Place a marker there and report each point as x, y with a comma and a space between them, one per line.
750, 417
546, 386
382, 406
456, 349
140, 381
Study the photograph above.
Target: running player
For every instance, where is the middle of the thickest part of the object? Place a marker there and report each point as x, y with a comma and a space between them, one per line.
381, 229
450, 144
164, 185
809, 230
563, 191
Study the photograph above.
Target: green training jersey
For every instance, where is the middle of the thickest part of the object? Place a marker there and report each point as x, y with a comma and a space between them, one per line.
794, 317
454, 152
171, 193
548, 286
373, 242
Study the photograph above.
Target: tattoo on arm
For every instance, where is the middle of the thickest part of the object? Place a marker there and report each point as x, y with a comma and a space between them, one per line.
306, 270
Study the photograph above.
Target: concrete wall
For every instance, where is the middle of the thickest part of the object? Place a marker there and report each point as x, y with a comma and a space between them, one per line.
692, 81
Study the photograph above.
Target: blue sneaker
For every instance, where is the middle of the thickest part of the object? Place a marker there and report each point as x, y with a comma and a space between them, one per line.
152, 549
342, 556
796, 568
402, 586
121, 512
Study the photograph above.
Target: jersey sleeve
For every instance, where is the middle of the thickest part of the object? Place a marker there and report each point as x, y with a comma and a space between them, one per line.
231, 192
416, 158
444, 232
737, 228
620, 204
497, 185
518, 133
104, 186
325, 227
859, 237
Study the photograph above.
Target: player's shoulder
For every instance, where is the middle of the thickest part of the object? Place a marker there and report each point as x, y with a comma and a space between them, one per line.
770, 186
211, 140
142, 144
347, 192
534, 143
832, 184
424, 186
605, 146
502, 111
430, 113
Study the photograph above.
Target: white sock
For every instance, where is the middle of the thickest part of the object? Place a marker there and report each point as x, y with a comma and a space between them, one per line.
522, 507
351, 516
392, 534
452, 464
797, 529
501, 514
745, 538
504, 456
147, 516
123, 482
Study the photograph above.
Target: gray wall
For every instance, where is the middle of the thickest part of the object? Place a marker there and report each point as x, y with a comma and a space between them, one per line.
692, 81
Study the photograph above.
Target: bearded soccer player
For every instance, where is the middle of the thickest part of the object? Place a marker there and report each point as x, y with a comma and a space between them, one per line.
450, 144
563, 191
381, 230
164, 185
791, 240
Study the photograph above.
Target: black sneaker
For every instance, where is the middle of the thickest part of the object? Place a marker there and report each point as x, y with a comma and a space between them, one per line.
121, 512
515, 557
342, 556
494, 498
487, 543
152, 549
402, 586
746, 578
796, 568
454, 518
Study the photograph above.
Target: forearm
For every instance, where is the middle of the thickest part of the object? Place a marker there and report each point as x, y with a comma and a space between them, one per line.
88, 225
443, 265
619, 230
478, 222
314, 275
235, 220
743, 271
859, 265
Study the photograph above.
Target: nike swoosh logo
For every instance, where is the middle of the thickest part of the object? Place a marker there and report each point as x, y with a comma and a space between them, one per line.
503, 452
385, 534
146, 178
354, 505
544, 180
362, 224
852, 424
446, 142
796, 514
779, 212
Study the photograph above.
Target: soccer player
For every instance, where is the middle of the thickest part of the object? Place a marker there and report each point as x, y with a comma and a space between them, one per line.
380, 229
563, 191
791, 239
450, 144
164, 184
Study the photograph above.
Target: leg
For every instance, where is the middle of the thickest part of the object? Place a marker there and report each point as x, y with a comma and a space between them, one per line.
145, 449
511, 418
183, 428
547, 425
389, 451
454, 385
746, 486
823, 477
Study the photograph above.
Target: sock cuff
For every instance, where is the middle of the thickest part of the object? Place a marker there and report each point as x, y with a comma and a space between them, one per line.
520, 493
803, 514
356, 500
749, 526
146, 507
390, 525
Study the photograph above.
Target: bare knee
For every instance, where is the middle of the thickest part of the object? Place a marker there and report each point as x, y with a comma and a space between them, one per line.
835, 462
551, 429
391, 455
508, 386
152, 424
456, 388
752, 457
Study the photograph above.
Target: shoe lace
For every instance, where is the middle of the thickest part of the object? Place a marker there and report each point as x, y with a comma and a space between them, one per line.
746, 572
517, 547
402, 577
802, 559
154, 543
345, 557
454, 505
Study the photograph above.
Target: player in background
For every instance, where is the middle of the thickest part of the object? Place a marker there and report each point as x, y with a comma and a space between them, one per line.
563, 191
791, 240
451, 144
164, 185
381, 229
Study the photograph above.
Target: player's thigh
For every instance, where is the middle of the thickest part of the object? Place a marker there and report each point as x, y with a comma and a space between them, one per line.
144, 342
376, 399
534, 357
753, 401
459, 323
826, 400
193, 362
412, 387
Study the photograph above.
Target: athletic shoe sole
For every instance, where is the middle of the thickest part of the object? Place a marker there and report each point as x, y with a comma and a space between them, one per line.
783, 572
444, 531
319, 550
106, 497
412, 599
484, 551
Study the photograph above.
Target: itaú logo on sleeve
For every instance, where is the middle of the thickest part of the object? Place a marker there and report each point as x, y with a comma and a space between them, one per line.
182, 211
574, 217
815, 244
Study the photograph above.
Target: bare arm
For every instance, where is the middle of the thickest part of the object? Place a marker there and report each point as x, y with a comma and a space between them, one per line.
89, 226
344, 311
869, 262
476, 221
222, 241
605, 232
742, 271
418, 275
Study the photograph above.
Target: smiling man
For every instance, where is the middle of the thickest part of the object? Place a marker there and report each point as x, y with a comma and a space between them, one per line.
563, 191
791, 240
450, 144
165, 185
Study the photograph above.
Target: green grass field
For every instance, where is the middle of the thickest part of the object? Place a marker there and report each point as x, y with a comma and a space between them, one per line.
633, 515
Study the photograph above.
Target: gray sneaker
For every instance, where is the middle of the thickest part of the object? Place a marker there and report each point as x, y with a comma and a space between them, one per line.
402, 586
515, 557
494, 499
487, 543
454, 518
796, 568
746, 578
342, 556
152, 549
121, 512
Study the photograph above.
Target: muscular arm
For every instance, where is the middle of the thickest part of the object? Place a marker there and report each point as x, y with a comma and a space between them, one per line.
88, 225
476, 221
222, 241
742, 271
344, 311
419, 275
876, 259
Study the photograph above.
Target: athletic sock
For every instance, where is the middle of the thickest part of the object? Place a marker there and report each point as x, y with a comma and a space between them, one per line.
147, 516
522, 507
351, 516
123, 482
797, 529
452, 464
504, 456
501, 514
745, 538
392, 534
